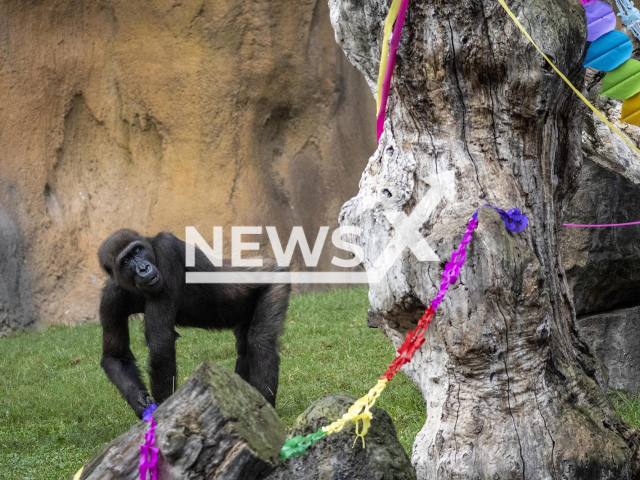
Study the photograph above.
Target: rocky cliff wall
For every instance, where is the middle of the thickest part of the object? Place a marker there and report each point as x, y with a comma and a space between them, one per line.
157, 115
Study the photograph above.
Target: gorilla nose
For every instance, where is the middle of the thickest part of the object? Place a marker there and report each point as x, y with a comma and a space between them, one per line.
143, 268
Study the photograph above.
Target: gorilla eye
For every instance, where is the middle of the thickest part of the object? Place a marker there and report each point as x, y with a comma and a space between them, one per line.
126, 260
137, 250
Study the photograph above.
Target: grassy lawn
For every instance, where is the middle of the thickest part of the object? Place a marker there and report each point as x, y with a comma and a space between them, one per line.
57, 407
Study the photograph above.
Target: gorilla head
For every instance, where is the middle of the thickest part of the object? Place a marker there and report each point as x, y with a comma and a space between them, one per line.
129, 259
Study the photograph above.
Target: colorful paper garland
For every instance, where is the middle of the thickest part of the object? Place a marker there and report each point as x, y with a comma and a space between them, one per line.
575, 90
610, 51
514, 221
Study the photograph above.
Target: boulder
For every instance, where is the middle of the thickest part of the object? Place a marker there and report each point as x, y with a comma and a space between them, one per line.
614, 337
338, 456
602, 264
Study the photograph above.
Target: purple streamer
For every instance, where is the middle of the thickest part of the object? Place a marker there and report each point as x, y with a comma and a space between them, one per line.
514, 221
149, 453
452, 269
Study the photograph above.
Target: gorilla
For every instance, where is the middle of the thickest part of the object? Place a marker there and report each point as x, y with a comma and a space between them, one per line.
147, 275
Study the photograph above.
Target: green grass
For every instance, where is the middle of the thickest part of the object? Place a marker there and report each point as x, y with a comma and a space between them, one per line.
57, 407
627, 407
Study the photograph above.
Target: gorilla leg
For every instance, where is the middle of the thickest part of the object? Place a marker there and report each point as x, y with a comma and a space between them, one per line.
262, 344
242, 362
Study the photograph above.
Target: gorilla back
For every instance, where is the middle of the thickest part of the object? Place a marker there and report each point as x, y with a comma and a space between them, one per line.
147, 275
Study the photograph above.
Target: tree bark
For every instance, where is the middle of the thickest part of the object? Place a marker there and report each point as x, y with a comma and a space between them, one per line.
215, 426
510, 387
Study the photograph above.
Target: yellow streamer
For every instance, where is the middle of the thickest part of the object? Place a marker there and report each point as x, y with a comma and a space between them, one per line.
388, 27
577, 92
78, 474
360, 410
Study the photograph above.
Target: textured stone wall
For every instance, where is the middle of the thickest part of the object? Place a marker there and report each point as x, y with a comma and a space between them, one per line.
159, 114
602, 265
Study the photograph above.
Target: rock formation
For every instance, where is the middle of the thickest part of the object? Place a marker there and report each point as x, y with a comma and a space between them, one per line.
337, 456
160, 115
603, 264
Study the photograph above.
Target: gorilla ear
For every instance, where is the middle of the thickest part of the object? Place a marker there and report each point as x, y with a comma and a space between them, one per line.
108, 270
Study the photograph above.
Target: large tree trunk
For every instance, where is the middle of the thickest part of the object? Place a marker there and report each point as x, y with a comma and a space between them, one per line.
510, 388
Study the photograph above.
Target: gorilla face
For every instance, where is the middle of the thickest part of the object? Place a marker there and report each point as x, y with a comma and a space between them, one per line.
136, 267
129, 259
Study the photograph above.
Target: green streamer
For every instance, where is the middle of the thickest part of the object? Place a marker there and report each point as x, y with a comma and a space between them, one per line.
296, 446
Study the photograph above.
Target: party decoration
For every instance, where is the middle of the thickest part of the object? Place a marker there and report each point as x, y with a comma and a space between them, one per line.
614, 48
149, 453
360, 410
298, 445
623, 82
601, 225
600, 20
388, 26
514, 220
630, 16
391, 63
597, 112
630, 110
609, 51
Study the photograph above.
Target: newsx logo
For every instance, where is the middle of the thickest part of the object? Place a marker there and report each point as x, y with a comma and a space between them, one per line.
407, 235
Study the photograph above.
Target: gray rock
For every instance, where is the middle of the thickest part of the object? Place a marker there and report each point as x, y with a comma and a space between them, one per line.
16, 303
602, 264
614, 337
336, 457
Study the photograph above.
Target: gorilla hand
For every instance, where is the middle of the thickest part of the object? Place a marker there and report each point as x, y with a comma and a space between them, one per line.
141, 401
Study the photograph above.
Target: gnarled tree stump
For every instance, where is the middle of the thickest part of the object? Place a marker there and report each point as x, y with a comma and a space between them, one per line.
509, 386
215, 426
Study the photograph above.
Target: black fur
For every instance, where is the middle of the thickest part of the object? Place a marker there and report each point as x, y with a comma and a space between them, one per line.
147, 275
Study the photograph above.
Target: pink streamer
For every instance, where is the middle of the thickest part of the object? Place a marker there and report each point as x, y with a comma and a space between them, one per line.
393, 50
149, 453
602, 225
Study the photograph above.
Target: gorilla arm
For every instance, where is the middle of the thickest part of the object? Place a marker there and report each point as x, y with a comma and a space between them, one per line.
117, 358
159, 322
